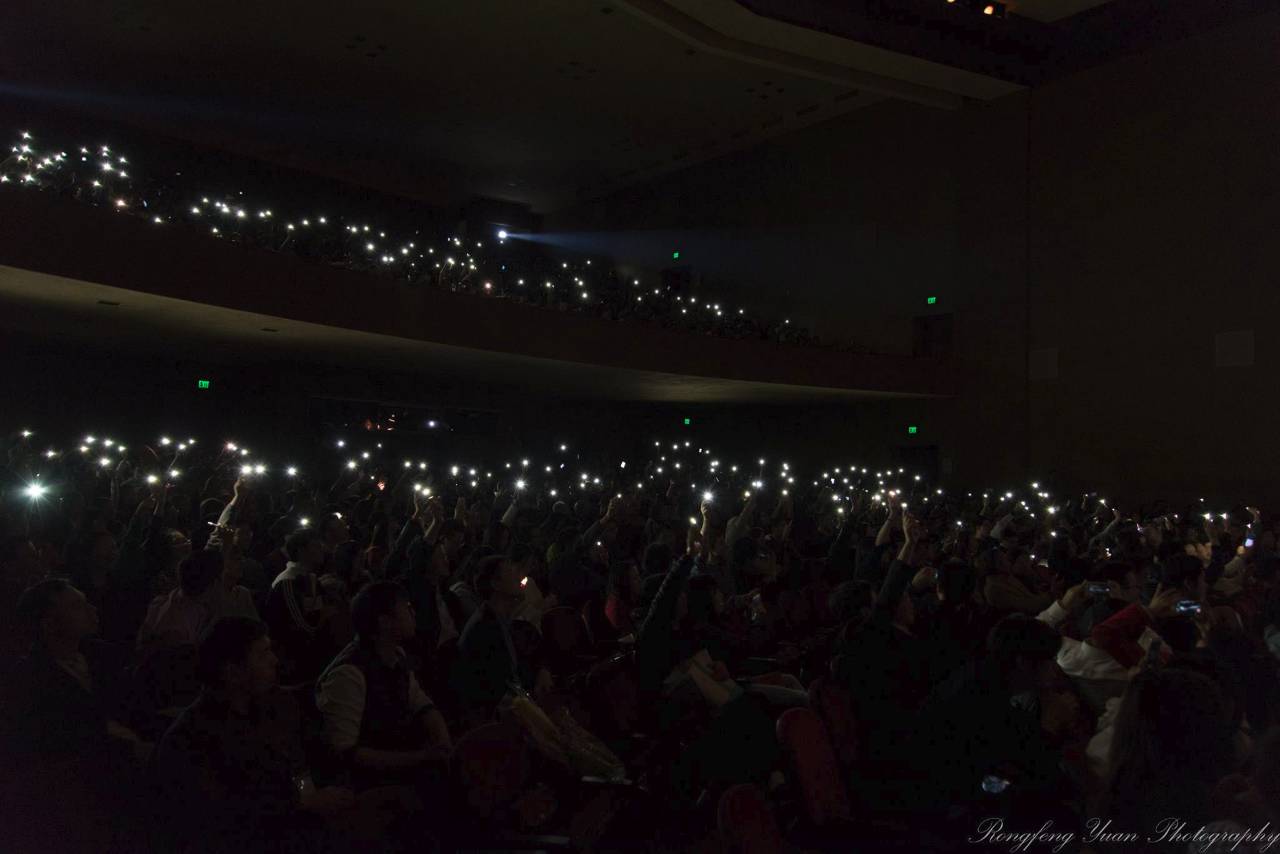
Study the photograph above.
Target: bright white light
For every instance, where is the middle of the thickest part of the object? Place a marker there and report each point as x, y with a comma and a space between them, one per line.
152, 479
304, 521
35, 491
502, 234
351, 464
519, 484
104, 462
174, 474
707, 496
291, 471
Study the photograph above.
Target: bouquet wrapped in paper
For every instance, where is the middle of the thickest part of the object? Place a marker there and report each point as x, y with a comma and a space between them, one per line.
561, 738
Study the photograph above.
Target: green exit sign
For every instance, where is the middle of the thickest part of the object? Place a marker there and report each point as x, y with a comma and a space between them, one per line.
688, 421
931, 301
202, 383
675, 256
913, 429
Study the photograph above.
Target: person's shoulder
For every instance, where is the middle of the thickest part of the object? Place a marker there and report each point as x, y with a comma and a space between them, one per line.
481, 624
186, 727
291, 572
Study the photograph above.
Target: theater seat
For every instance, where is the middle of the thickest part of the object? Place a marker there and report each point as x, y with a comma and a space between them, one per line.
746, 823
835, 708
805, 743
491, 764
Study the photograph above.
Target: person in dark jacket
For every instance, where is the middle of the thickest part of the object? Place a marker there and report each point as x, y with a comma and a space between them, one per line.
487, 664
231, 767
300, 620
733, 743
986, 720
70, 696
948, 620
65, 732
883, 663
440, 614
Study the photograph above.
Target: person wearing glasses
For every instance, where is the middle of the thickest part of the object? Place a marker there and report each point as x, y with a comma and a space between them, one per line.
487, 661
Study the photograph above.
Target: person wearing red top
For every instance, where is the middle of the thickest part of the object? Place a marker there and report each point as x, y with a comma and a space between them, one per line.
1181, 581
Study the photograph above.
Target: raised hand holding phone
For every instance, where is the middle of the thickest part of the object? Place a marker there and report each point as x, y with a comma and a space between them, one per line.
1078, 594
1164, 602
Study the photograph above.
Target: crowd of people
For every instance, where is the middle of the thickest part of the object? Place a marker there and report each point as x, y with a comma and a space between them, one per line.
490, 267
207, 651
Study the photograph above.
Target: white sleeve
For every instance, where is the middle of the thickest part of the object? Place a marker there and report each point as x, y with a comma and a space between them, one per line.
1054, 615
340, 698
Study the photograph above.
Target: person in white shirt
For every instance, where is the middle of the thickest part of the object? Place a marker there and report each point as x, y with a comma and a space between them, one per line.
1081, 659
376, 715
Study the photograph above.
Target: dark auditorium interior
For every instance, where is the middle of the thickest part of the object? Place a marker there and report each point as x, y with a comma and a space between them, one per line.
716, 426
